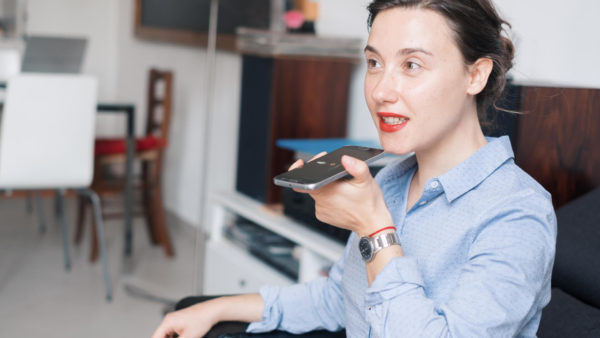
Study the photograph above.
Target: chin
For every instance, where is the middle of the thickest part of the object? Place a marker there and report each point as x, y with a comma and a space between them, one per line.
394, 145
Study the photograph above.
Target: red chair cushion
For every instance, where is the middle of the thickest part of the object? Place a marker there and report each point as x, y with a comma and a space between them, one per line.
118, 146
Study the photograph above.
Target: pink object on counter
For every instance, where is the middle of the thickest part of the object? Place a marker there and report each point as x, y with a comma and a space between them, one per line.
293, 19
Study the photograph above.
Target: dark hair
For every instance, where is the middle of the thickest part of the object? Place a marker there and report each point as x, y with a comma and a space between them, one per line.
478, 29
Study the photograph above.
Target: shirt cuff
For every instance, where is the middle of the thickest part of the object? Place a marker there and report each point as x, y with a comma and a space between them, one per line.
271, 316
399, 276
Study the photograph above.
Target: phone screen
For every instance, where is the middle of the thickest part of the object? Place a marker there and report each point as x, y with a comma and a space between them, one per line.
325, 169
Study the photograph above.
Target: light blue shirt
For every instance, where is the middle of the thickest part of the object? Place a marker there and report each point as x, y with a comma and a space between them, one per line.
479, 248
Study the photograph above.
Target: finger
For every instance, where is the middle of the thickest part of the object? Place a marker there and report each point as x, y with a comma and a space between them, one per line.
299, 163
318, 155
357, 168
162, 331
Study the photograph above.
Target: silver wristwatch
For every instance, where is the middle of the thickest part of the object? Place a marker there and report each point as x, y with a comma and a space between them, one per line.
369, 246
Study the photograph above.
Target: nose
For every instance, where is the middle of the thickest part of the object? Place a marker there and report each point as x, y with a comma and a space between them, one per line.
385, 90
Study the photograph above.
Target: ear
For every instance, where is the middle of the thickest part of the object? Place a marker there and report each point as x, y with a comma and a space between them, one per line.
479, 72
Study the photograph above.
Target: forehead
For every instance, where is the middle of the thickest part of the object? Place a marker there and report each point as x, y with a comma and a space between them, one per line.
398, 28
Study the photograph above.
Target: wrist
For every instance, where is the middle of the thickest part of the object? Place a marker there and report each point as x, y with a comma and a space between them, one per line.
383, 230
239, 308
379, 221
377, 227
219, 310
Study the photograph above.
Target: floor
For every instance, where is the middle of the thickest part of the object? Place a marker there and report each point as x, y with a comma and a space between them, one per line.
38, 298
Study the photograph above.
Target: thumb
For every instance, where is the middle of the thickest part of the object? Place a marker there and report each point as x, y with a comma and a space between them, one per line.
357, 168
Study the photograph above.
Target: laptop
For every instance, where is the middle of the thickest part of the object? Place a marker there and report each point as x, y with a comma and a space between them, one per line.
47, 54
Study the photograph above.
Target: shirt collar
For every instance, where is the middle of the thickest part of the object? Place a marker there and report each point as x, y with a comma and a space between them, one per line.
390, 174
476, 168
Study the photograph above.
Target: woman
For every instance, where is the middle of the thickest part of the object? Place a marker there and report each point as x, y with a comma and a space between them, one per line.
468, 238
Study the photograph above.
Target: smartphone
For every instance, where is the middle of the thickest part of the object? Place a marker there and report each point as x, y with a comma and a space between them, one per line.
325, 169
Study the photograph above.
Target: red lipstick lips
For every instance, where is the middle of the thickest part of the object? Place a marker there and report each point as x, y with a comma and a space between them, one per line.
391, 122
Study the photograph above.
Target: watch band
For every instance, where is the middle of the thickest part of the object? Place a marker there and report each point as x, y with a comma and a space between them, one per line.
383, 241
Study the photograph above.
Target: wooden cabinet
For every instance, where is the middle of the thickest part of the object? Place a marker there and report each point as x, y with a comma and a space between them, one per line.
558, 139
286, 98
293, 86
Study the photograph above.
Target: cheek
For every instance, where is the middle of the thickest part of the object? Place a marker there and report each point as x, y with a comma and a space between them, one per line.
368, 89
442, 94
368, 92
455, 81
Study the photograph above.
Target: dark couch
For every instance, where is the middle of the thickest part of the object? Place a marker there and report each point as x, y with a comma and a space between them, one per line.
574, 310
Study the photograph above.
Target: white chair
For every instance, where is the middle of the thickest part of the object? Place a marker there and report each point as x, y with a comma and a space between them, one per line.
47, 142
10, 65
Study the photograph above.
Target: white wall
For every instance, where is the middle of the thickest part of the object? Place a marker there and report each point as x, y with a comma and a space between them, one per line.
183, 165
556, 44
93, 19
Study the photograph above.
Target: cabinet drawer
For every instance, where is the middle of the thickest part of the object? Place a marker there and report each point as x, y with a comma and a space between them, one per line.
229, 269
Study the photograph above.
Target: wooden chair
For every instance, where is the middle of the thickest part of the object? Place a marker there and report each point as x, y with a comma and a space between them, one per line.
150, 152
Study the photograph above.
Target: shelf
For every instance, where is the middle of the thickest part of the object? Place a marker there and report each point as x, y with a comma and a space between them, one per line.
264, 244
273, 44
230, 269
280, 224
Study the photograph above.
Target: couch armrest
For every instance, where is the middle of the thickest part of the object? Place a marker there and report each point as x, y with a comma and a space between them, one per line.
238, 329
567, 316
577, 263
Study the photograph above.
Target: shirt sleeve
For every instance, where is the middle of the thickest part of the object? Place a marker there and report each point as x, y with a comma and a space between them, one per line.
503, 285
304, 307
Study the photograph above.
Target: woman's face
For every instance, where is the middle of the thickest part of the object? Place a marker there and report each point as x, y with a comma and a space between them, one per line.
416, 82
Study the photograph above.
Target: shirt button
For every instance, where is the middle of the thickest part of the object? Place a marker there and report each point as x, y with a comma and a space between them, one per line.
434, 184
422, 202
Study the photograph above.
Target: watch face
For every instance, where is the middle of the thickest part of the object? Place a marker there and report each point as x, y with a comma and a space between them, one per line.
366, 250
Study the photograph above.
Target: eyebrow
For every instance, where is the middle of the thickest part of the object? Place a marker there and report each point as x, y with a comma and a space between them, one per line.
403, 51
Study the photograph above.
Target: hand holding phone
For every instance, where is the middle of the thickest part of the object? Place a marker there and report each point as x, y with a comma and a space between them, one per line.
325, 169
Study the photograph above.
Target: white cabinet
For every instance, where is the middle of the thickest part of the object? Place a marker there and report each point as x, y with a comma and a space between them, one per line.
229, 268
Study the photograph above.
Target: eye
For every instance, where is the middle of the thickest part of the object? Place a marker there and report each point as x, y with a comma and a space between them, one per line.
412, 66
372, 63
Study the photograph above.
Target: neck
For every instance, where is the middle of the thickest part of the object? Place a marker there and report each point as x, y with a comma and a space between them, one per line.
451, 150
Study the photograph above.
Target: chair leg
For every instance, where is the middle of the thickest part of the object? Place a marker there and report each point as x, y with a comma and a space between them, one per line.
160, 222
99, 229
94, 241
60, 210
156, 208
40, 211
147, 202
80, 225
56, 204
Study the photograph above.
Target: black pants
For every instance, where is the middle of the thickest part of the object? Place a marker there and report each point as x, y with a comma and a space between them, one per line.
238, 329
